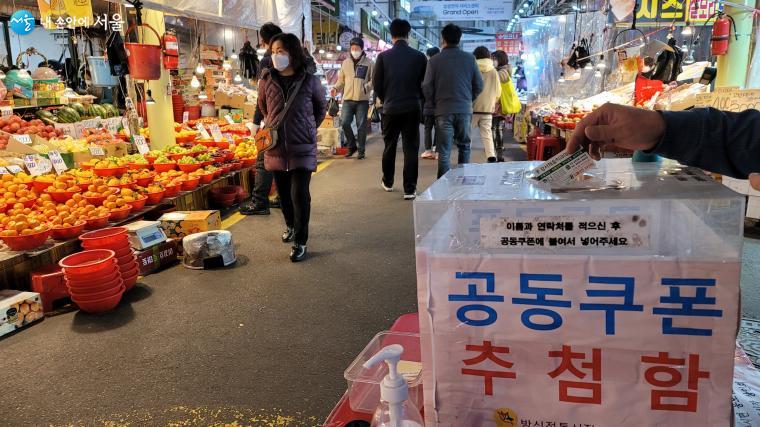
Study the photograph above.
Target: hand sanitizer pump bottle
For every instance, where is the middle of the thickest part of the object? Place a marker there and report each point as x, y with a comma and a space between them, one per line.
395, 409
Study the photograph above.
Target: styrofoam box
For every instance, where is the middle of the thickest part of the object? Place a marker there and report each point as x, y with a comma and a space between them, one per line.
676, 222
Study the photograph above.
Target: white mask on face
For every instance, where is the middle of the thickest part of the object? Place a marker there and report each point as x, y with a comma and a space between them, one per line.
280, 61
356, 54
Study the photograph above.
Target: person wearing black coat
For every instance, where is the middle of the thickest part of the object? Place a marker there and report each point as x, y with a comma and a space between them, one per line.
398, 84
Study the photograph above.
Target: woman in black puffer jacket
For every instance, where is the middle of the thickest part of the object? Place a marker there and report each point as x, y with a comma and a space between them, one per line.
294, 158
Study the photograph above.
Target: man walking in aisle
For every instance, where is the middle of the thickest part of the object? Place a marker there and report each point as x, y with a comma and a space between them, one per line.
259, 203
355, 80
452, 83
429, 113
397, 80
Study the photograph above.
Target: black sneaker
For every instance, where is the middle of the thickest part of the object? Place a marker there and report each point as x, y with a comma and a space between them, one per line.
492, 160
251, 208
289, 235
351, 152
297, 253
361, 156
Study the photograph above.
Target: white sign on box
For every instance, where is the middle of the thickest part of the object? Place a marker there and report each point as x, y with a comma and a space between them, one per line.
203, 131
141, 144
216, 133
536, 310
97, 151
58, 164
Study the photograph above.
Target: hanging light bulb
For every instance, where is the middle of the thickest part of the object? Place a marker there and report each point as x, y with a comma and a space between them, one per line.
374, 13
195, 83
690, 59
234, 55
561, 77
321, 51
237, 78
226, 64
687, 31
598, 73
589, 66
329, 55
338, 48
202, 95
601, 65
200, 69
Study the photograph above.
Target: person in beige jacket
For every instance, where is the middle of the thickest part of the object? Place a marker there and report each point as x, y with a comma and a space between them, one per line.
482, 108
355, 81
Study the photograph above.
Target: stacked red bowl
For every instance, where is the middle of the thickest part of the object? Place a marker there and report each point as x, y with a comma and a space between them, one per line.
93, 280
116, 240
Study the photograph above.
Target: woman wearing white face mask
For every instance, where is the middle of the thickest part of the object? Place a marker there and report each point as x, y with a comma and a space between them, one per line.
355, 80
294, 157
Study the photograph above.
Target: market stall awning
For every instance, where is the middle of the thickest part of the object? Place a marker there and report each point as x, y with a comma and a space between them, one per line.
288, 14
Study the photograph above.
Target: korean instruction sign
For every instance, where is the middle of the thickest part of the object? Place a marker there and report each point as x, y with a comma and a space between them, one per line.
576, 340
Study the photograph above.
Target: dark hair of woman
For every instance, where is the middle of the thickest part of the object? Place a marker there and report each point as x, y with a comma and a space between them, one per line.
292, 45
501, 58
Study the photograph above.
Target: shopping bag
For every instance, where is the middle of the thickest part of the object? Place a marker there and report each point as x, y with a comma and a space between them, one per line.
510, 103
375, 117
332, 107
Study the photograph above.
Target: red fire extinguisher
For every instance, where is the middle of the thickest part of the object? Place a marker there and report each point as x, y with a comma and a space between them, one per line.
171, 50
721, 32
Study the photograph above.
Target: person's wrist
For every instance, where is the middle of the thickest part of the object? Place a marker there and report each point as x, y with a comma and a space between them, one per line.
659, 130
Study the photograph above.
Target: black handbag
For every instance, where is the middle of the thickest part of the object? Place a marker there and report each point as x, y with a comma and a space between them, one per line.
375, 118
332, 107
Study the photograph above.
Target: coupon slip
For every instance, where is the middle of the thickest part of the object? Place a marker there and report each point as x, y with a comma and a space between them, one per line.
563, 168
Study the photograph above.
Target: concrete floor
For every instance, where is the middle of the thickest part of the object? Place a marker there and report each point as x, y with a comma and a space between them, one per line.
263, 343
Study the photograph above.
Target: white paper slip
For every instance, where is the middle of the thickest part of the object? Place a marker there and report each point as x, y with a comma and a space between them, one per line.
14, 169
58, 164
216, 133
563, 167
229, 119
23, 138
141, 144
3, 171
203, 131
185, 116
97, 151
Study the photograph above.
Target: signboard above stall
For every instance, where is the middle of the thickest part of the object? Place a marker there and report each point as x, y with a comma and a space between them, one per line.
475, 10
510, 42
661, 13
370, 25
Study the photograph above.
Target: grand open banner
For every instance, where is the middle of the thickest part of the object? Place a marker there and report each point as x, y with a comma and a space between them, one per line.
477, 10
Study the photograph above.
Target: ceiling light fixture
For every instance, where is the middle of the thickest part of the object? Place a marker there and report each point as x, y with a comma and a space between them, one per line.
195, 83
149, 100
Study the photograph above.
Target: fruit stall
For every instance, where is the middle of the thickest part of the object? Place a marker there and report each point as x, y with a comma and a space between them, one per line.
56, 186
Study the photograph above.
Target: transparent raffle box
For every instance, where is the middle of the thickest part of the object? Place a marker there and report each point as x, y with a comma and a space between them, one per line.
611, 302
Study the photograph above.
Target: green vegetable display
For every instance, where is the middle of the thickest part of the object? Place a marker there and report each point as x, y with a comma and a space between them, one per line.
175, 149
187, 160
163, 159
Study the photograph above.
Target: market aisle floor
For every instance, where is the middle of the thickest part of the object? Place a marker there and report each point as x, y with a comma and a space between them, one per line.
264, 342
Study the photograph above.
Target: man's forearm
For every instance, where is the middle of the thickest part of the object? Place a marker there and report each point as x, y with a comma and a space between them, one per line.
719, 141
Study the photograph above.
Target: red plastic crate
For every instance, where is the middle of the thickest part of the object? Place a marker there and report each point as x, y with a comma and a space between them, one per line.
50, 284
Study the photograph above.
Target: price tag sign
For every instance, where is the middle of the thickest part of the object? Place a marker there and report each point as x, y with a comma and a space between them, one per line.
3, 171
58, 164
35, 165
142, 144
125, 125
229, 119
6, 111
24, 139
230, 138
97, 151
216, 133
203, 131
91, 123
185, 116
14, 169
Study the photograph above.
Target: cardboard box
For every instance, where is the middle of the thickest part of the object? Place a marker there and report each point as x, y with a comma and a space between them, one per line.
249, 108
181, 223
18, 309
157, 257
222, 99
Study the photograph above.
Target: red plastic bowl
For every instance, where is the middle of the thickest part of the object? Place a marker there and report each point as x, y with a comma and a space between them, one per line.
189, 168
172, 190
155, 197
98, 284
30, 203
190, 184
117, 171
248, 162
120, 214
61, 196
163, 167
177, 156
129, 185
66, 233
93, 261
90, 294
206, 178
97, 223
106, 236
138, 204
102, 305
27, 242
125, 260
40, 186
112, 245
223, 144
144, 182
237, 165
95, 200
138, 166
130, 282
85, 166
150, 159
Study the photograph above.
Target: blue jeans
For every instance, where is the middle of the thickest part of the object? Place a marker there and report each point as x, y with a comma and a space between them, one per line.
357, 110
452, 128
